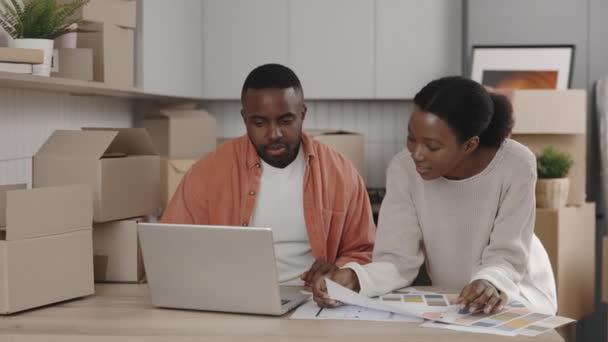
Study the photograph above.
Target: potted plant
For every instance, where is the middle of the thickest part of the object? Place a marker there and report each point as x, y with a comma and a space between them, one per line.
34, 24
552, 186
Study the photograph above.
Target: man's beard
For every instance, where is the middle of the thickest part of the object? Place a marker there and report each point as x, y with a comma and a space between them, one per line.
280, 161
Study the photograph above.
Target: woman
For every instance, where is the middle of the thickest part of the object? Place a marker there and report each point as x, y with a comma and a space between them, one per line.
461, 199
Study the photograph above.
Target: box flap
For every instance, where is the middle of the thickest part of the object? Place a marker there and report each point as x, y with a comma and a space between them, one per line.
130, 141
181, 166
48, 211
3, 191
77, 144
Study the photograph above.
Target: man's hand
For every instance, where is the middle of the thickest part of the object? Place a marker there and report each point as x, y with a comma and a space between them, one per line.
319, 269
345, 277
480, 294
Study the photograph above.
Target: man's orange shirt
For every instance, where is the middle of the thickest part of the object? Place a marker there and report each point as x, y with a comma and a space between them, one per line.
221, 189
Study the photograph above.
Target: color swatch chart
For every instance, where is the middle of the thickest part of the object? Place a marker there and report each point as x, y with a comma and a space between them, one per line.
514, 319
433, 300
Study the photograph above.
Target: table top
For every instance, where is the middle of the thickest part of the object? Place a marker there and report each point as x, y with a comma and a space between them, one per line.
123, 312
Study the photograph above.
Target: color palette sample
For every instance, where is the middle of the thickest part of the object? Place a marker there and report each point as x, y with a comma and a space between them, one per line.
413, 299
432, 300
522, 322
514, 319
391, 298
435, 300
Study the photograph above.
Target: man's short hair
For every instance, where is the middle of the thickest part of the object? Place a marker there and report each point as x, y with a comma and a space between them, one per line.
272, 76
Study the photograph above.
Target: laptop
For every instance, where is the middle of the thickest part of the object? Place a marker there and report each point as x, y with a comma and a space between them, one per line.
214, 268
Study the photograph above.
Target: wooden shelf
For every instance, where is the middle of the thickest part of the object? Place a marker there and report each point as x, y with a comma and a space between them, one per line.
79, 87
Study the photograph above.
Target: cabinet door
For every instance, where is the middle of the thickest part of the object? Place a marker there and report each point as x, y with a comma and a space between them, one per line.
416, 42
331, 47
169, 47
239, 35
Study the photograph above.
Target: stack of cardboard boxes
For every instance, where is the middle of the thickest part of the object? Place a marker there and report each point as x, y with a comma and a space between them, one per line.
558, 118
120, 166
45, 245
182, 136
112, 41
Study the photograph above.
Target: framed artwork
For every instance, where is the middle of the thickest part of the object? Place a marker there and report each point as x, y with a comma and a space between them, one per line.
523, 67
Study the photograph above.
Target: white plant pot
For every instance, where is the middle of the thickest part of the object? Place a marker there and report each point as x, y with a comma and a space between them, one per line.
46, 45
552, 193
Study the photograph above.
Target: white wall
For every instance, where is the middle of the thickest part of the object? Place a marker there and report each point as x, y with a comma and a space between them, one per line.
27, 118
383, 123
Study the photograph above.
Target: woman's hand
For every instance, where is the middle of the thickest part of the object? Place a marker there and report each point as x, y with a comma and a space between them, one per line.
480, 294
345, 277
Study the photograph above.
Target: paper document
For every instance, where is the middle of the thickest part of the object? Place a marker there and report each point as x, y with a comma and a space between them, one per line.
514, 319
439, 325
416, 305
310, 310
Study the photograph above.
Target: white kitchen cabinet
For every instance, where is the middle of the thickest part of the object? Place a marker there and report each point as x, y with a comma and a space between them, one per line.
340, 49
169, 48
237, 36
416, 42
331, 47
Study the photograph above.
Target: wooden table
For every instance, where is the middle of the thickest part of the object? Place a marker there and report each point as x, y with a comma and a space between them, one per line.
122, 312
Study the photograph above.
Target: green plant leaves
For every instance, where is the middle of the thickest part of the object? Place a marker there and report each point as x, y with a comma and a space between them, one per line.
552, 163
43, 19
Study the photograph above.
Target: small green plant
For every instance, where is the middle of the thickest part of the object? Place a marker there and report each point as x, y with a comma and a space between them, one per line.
552, 163
41, 19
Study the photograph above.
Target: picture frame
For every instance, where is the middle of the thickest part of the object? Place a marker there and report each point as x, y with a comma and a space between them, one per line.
523, 66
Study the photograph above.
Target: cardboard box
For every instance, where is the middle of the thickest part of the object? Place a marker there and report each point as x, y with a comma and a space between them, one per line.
550, 111
350, 145
181, 133
605, 270
117, 255
120, 166
113, 52
117, 12
46, 248
171, 173
75, 64
20, 55
576, 146
568, 235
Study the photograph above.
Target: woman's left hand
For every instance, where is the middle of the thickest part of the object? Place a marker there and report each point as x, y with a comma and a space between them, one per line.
480, 294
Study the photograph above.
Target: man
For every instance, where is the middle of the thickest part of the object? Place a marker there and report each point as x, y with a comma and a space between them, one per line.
276, 176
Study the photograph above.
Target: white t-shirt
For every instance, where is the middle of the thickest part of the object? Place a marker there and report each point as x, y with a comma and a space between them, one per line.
280, 206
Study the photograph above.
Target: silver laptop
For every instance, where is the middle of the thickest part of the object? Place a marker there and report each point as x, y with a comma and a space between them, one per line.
214, 268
